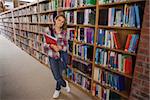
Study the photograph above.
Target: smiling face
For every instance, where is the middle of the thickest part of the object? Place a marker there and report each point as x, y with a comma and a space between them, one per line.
59, 21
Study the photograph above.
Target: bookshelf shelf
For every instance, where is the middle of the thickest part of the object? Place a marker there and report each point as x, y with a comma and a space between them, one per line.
70, 53
42, 1
67, 9
73, 25
78, 71
118, 50
32, 14
32, 23
39, 60
27, 30
74, 57
21, 22
78, 42
122, 3
42, 23
38, 51
77, 8
122, 93
86, 7
7, 22
78, 86
80, 25
114, 71
21, 15
118, 28
49, 11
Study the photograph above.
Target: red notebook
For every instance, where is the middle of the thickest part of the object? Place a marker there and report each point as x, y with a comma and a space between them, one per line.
50, 40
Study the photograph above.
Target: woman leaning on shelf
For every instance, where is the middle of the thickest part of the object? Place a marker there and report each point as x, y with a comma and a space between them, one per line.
57, 54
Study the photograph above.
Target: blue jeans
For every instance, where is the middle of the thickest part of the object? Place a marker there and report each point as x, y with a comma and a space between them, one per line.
57, 69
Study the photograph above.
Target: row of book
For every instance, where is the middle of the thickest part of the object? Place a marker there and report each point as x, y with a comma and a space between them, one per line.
33, 36
1, 19
86, 16
17, 19
7, 29
71, 17
15, 13
116, 82
83, 66
79, 79
71, 33
32, 44
33, 28
83, 51
110, 1
48, 6
127, 16
42, 29
75, 3
45, 18
16, 26
85, 35
7, 24
22, 19
44, 7
111, 39
7, 20
34, 19
7, 33
32, 9
6, 15
21, 12
104, 93
38, 55
108, 39
70, 46
24, 26
114, 60
132, 42
69, 62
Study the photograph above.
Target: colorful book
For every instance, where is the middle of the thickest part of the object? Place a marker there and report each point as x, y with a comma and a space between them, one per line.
128, 42
50, 39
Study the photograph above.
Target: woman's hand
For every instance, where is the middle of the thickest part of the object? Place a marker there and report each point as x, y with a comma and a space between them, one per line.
46, 45
55, 47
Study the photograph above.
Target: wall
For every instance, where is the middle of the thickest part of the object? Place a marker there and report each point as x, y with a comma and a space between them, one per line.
140, 89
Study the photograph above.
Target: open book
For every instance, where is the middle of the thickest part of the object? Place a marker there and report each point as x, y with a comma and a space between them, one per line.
50, 39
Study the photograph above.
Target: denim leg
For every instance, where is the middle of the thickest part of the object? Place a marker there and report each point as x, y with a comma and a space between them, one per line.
61, 68
57, 72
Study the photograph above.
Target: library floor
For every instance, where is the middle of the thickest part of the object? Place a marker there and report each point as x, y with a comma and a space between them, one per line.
24, 78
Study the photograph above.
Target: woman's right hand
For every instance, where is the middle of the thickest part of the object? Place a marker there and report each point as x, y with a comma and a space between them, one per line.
55, 47
46, 45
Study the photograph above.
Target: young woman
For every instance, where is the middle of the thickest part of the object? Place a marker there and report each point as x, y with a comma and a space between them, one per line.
56, 52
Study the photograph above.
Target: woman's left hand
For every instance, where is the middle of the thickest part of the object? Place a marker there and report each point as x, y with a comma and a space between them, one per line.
55, 47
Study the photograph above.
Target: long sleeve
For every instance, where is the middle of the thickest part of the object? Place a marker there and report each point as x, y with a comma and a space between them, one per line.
64, 48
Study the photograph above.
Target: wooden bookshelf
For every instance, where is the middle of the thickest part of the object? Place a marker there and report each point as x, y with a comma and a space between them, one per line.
26, 23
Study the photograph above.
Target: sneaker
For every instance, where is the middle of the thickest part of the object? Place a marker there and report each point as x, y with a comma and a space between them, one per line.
67, 88
56, 94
